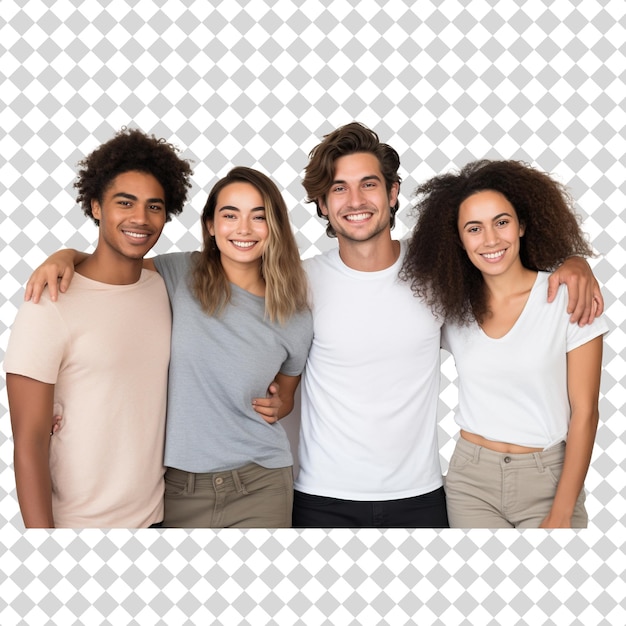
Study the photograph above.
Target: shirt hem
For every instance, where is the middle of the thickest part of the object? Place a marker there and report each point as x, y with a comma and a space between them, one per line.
369, 497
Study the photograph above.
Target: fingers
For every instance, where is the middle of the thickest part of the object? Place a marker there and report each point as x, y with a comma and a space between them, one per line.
553, 287
66, 279
56, 424
34, 288
267, 408
580, 309
581, 302
269, 419
28, 292
598, 300
37, 282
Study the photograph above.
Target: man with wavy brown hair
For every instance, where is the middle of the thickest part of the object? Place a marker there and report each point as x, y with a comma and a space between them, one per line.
368, 451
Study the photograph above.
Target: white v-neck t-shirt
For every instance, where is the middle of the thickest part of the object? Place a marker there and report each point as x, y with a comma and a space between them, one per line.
514, 388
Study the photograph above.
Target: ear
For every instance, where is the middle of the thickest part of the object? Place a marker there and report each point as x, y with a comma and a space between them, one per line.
522, 229
210, 227
322, 205
96, 210
393, 194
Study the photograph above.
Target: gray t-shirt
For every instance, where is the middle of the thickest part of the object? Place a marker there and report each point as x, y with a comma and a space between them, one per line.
218, 365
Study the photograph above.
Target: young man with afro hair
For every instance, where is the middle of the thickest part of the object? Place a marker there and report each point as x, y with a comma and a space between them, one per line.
98, 354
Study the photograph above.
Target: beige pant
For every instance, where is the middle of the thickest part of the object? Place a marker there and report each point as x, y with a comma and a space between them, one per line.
248, 497
487, 489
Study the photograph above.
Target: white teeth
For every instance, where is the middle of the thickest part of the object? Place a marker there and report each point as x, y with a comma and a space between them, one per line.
135, 235
357, 217
494, 255
244, 244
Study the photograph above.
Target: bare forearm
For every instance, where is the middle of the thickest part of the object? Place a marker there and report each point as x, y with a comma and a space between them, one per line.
56, 272
578, 449
34, 486
286, 406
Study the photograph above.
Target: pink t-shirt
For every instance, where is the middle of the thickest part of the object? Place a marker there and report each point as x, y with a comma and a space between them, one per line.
106, 350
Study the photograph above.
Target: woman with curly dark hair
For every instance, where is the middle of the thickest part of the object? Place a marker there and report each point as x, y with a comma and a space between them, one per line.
485, 240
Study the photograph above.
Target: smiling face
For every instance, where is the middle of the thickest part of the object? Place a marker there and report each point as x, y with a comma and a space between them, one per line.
357, 203
490, 232
239, 225
131, 216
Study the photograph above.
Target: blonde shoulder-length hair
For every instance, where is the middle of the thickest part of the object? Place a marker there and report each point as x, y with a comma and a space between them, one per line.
285, 280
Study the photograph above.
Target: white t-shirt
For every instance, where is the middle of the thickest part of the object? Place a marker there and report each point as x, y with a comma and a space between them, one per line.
514, 389
370, 386
106, 350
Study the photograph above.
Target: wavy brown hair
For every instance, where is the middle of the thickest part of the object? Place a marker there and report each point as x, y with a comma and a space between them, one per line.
352, 138
133, 150
437, 266
285, 280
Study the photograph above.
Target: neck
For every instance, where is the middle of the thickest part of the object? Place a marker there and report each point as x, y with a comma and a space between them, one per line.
517, 279
372, 255
117, 271
247, 277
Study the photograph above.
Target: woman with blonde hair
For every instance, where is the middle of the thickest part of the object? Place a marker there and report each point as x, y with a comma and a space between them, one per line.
240, 327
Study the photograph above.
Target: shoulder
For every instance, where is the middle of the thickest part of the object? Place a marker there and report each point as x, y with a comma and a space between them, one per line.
302, 320
540, 290
173, 260
322, 261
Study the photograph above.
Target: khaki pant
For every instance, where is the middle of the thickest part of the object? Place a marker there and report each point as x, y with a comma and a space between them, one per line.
247, 497
487, 489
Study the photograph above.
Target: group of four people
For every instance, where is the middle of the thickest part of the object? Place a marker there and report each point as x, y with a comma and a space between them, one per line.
363, 325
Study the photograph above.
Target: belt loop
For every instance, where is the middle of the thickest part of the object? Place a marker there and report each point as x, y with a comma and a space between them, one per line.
191, 482
239, 486
537, 456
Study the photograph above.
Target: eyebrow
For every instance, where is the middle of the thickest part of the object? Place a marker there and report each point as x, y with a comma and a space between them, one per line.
497, 217
370, 177
228, 207
130, 196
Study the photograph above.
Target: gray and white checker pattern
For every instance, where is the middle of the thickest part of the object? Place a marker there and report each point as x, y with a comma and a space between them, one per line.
258, 83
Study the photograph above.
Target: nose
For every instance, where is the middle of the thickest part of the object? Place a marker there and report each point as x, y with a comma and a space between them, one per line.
355, 197
492, 236
139, 214
244, 227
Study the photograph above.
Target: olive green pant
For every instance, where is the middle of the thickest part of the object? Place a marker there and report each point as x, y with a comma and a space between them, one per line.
247, 497
487, 489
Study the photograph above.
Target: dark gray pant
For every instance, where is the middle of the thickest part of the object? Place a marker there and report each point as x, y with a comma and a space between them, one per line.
425, 511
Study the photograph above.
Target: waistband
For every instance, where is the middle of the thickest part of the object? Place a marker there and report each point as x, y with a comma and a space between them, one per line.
234, 477
552, 456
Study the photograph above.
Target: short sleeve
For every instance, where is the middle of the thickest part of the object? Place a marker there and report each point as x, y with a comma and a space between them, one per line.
173, 268
37, 342
580, 335
301, 336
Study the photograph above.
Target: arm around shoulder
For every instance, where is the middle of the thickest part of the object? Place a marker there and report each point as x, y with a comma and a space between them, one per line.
585, 300
56, 272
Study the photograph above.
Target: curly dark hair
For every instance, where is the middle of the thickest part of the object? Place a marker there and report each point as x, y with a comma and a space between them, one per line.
438, 267
349, 139
133, 150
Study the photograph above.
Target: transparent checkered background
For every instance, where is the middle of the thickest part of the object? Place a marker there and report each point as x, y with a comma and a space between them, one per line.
258, 83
